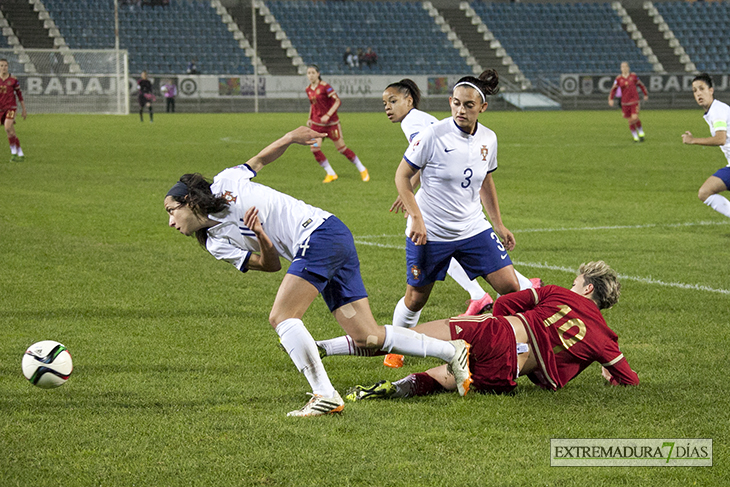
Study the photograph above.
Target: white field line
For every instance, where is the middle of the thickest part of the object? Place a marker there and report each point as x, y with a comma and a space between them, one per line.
365, 240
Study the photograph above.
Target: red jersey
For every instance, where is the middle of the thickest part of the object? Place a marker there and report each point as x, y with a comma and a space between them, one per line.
8, 89
322, 98
567, 333
629, 93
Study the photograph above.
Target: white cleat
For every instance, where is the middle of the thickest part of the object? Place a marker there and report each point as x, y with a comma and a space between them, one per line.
459, 366
320, 405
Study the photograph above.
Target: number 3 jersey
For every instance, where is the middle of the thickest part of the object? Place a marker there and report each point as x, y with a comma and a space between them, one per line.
567, 333
286, 220
453, 166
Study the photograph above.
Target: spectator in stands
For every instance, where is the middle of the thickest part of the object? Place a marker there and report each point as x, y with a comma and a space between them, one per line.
628, 82
359, 55
192, 68
717, 116
347, 57
370, 58
145, 97
323, 118
170, 91
351, 58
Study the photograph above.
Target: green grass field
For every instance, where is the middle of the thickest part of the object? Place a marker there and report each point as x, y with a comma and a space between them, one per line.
178, 376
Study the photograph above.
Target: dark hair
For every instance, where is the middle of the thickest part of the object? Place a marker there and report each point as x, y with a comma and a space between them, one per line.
407, 87
488, 81
316, 68
703, 77
201, 200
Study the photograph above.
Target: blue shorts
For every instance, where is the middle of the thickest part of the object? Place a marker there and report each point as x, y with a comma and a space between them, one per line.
724, 174
479, 255
328, 260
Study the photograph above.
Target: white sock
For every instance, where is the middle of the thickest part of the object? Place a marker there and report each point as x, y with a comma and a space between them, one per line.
358, 164
302, 349
408, 342
326, 166
524, 282
13, 150
458, 274
20, 152
404, 317
344, 345
719, 203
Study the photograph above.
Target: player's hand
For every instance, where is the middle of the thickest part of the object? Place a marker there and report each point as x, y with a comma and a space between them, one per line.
418, 231
507, 238
251, 220
399, 206
24, 114
325, 118
610, 102
606, 374
687, 138
305, 136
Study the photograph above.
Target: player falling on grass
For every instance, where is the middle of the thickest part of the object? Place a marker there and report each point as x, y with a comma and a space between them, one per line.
549, 334
323, 118
401, 100
627, 82
251, 226
9, 90
717, 116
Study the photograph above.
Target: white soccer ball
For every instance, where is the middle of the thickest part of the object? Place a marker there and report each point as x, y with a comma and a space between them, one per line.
47, 364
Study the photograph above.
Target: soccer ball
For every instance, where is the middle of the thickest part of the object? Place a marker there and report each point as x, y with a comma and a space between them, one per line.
47, 364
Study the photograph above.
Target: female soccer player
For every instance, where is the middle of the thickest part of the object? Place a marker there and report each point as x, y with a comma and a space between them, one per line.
145, 97
9, 89
717, 116
456, 157
627, 83
251, 226
323, 118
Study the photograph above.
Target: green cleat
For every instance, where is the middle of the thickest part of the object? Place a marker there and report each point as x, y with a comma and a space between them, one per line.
19, 158
13, 158
381, 390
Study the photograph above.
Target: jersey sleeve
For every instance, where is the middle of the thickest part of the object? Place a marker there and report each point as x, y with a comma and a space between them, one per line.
18, 93
640, 85
419, 152
221, 250
518, 302
621, 372
613, 89
720, 118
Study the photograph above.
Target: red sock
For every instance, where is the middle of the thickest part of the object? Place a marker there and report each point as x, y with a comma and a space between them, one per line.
319, 156
420, 384
638, 125
17, 143
347, 153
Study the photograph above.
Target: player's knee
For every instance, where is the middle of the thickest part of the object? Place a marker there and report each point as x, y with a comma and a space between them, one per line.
704, 193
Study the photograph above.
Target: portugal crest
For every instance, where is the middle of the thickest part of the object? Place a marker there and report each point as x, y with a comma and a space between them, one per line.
229, 197
485, 152
415, 272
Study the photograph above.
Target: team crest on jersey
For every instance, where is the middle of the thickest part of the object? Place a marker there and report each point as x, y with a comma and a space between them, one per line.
306, 223
415, 272
458, 329
415, 144
485, 151
229, 197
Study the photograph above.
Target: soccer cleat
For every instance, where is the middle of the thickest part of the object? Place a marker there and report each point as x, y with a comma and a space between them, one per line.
636, 138
19, 158
536, 282
329, 178
320, 405
393, 360
459, 366
365, 175
479, 306
641, 137
13, 158
381, 390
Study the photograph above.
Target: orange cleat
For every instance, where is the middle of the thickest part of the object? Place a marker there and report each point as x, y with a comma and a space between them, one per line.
329, 178
393, 360
365, 176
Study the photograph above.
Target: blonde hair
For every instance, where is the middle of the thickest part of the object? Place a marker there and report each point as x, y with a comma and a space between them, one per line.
606, 288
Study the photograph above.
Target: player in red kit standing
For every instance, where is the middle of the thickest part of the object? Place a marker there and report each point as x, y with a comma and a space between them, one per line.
9, 89
323, 118
627, 82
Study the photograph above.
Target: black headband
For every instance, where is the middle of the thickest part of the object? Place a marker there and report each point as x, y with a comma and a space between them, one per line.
180, 189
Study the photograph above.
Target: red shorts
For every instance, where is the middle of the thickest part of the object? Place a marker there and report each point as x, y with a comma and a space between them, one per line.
333, 132
493, 355
7, 114
629, 110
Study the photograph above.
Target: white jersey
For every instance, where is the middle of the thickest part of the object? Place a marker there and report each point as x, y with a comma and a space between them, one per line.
718, 118
415, 121
453, 166
286, 220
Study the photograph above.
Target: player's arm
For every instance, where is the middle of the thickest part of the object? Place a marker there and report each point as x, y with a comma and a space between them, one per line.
405, 190
301, 136
488, 195
643, 88
718, 139
333, 109
517, 302
267, 260
612, 93
398, 203
619, 373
